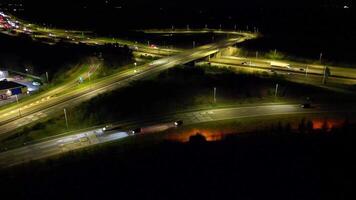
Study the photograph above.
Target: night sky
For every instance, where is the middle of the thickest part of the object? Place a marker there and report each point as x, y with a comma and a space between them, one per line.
185, 3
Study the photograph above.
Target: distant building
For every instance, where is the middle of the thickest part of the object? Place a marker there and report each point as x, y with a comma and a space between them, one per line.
3, 75
9, 88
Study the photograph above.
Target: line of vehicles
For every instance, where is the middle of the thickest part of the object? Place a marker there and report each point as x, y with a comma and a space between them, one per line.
111, 128
144, 130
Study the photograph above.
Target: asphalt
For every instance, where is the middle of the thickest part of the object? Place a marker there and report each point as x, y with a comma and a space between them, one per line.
63, 144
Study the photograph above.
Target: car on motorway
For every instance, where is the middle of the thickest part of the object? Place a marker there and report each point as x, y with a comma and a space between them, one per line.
153, 46
110, 127
280, 64
35, 83
178, 123
306, 105
135, 131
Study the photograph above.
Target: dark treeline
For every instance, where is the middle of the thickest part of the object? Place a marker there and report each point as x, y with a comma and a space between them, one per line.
276, 163
20, 53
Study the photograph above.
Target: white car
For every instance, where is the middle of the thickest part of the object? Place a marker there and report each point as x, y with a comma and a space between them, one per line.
36, 83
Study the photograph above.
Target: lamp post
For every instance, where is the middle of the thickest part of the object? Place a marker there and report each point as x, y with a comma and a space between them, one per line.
324, 76
214, 94
17, 100
276, 92
65, 116
47, 77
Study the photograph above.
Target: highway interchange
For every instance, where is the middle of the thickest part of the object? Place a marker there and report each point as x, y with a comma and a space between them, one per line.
53, 101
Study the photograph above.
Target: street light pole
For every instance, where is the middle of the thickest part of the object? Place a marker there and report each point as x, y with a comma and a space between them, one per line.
17, 100
321, 56
47, 77
65, 116
256, 54
324, 76
214, 94
193, 44
276, 92
306, 71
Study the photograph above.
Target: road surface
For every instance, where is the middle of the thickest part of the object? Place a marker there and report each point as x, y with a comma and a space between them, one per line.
347, 75
62, 144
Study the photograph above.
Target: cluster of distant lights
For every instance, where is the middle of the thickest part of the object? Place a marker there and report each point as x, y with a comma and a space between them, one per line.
8, 20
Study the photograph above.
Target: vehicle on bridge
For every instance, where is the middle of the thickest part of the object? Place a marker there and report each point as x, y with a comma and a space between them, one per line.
280, 64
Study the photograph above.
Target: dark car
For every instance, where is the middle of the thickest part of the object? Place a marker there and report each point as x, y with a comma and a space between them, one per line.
136, 131
178, 123
110, 127
306, 105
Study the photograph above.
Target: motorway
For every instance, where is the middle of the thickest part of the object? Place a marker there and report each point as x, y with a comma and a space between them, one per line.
10, 120
310, 69
63, 144
340, 79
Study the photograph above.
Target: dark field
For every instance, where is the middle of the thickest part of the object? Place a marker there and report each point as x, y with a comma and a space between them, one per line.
276, 163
